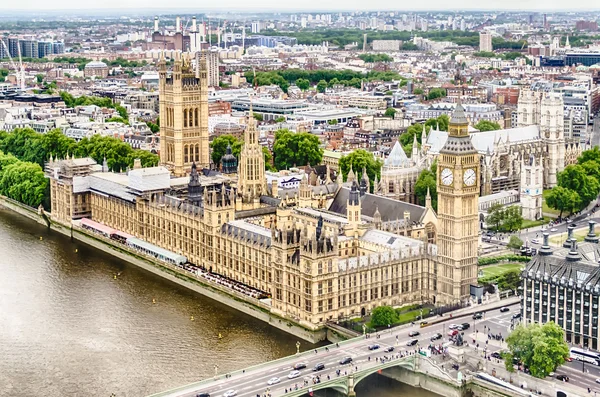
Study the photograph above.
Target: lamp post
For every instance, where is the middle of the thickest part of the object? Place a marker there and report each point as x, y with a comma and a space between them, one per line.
297, 347
216, 370
364, 329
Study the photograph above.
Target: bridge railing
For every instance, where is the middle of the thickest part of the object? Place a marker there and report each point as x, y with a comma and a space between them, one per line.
288, 359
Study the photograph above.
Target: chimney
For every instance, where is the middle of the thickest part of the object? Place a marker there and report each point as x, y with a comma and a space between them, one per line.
156, 24
567, 243
137, 164
194, 27
178, 25
545, 250
591, 236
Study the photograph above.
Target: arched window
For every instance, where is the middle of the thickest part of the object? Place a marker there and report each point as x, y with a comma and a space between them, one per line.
197, 155
196, 116
185, 117
185, 154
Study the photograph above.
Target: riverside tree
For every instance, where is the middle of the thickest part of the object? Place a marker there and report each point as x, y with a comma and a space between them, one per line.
541, 348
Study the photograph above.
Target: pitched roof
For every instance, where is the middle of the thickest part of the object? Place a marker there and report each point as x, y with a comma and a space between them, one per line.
389, 209
397, 157
458, 116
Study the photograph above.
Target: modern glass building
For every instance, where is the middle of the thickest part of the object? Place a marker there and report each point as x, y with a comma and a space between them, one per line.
584, 58
563, 285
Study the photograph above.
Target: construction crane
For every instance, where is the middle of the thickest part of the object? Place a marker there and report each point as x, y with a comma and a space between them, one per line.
19, 70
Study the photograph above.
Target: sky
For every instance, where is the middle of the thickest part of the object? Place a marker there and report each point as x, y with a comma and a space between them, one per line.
287, 6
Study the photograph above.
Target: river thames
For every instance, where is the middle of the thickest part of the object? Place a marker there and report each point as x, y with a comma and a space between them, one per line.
68, 327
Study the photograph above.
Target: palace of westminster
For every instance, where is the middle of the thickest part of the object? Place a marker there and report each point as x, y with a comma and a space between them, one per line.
318, 260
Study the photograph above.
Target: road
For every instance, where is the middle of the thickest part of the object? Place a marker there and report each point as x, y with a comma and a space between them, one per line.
254, 382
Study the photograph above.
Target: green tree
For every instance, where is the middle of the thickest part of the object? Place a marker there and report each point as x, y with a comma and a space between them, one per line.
426, 182
321, 86
360, 159
268, 158
382, 316
146, 158
25, 182
574, 177
303, 84
116, 119
509, 280
504, 219
418, 91
219, 146
39, 78
485, 125
296, 149
390, 112
563, 199
436, 93
539, 347
495, 217
514, 242
280, 119
257, 116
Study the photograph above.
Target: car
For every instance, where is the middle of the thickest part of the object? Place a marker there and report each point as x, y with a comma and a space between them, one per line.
424, 324
298, 366
436, 337
598, 380
568, 359
390, 349
273, 381
553, 229
230, 393
203, 395
465, 326
346, 360
504, 309
516, 315
412, 342
414, 333
496, 355
319, 367
564, 378
477, 316
373, 347
453, 326
452, 332
294, 374
535, 241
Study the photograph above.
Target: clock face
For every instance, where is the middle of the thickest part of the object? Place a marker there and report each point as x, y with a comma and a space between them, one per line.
469, 177
447, 176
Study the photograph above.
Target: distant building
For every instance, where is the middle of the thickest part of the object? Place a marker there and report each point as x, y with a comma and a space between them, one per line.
45, 48
96, 69
255, 27
29, 48
591, 26
386, 45
212, 63
485, 42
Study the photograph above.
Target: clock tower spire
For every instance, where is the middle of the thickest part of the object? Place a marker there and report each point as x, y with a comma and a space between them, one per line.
458, 183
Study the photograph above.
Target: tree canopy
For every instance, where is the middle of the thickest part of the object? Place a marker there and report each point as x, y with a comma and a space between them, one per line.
360, 159
376, 58
504, 219
22, 181
427, 181
574, 177
514, 242
486, 125
382, 316
563, 199
436, 93
541, 348
303, 84
296, 149
219, 147
390, 112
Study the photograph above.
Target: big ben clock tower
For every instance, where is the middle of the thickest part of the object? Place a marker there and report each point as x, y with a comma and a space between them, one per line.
458, 191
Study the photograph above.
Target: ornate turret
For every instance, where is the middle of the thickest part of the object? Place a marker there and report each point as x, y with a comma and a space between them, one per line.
351, 176
251, 182
319, 227
354, 198
229, 162
194, 187
364, 182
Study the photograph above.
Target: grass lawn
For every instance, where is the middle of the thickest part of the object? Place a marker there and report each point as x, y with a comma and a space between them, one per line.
579, 235
527, 223
407, 317
496, 270
545, 208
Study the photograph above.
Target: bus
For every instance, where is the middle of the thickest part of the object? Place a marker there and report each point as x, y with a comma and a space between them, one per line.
515, 391
587, 356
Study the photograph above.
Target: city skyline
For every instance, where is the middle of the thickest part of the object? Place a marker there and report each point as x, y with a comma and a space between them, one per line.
269, 5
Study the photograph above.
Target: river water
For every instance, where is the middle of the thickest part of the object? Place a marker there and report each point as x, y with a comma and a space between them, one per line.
68, 327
